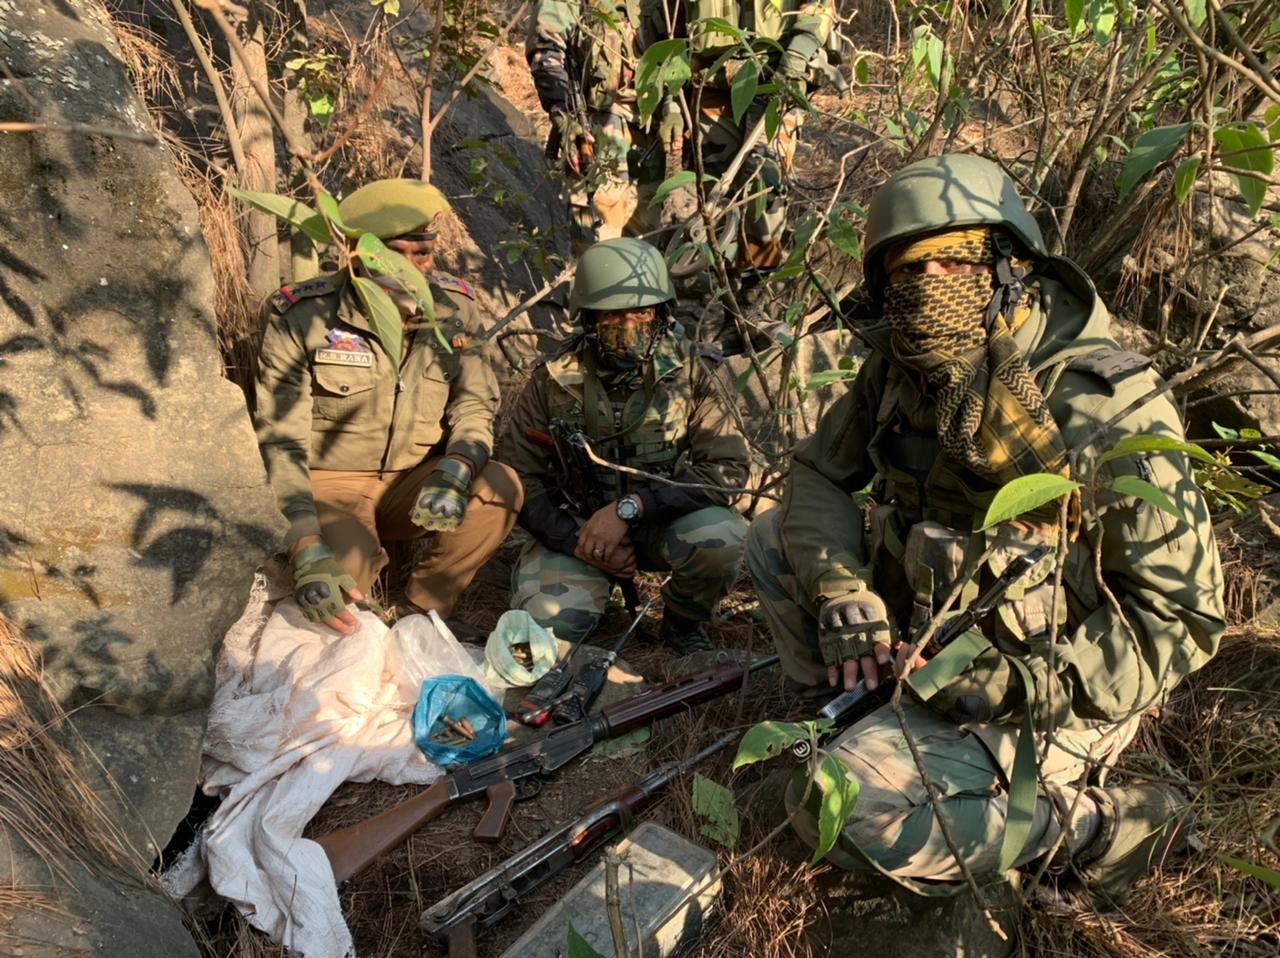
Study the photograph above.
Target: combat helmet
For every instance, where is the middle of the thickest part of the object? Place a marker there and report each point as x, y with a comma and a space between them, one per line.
621, 273
391, 208
953, 190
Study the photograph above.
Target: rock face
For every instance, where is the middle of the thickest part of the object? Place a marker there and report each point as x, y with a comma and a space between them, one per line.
135, 508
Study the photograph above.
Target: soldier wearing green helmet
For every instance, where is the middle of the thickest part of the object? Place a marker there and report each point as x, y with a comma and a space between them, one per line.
643, 397
992, 360
360, 452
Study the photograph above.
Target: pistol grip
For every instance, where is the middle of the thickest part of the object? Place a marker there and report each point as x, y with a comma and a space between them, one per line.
494, 820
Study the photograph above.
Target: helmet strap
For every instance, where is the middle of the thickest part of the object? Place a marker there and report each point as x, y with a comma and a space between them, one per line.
1009, 281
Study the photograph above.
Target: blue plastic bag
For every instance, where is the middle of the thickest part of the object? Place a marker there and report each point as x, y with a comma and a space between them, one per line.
458, 697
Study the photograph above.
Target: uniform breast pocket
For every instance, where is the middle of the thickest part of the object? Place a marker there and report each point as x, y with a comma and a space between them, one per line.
341, 393
438, 375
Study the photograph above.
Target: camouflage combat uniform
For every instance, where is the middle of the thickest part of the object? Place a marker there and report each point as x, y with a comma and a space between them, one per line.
1164, 573
684, 432
347, 441
612, 199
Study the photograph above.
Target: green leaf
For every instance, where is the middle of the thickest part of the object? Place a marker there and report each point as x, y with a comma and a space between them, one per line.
385, 261
1149, 151
1268, 875
743, 90
1272, 117
828, 376
842, 233
933, 50
675, 182
621, 744
663, 67
1141, 445
577, 946
383, 317
292, 211
705, 25
1141, 489
1225, 432
1184, 177
861, 70
1196, 12
329, 207
772, 119
1102, 17
839, 796
1026, 493
767, 739
713, 802
1268, 458
1075, 11
1245, 147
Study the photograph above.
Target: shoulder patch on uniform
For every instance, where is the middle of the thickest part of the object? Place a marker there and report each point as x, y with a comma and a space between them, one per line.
1112, 366
452, 283
291, 294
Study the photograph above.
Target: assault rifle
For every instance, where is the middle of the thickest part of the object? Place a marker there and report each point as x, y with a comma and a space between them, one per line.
577, 109
507, 776
485, 901
847, 707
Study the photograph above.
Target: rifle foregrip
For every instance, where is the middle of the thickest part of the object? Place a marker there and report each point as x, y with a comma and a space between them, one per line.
350, 850
538, 437
494, 820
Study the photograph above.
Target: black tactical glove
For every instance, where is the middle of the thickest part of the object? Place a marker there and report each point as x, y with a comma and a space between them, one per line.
850, 625
320, 583
442, 501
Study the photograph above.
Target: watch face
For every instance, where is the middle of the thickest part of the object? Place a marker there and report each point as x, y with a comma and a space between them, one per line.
627, 509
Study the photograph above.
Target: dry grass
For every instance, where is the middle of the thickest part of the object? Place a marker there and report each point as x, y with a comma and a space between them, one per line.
48, 805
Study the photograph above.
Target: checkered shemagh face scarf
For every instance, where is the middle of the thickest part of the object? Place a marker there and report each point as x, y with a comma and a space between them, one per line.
992, 417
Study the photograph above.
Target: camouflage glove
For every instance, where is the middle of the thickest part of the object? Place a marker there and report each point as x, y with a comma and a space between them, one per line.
320, 583
988, 690
671, 127
442, 501
571, 132
850, 625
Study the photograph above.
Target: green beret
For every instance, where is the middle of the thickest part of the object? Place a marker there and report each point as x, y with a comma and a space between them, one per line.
391, 208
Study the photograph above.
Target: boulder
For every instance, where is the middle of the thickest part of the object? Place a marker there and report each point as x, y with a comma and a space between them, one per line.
135, 507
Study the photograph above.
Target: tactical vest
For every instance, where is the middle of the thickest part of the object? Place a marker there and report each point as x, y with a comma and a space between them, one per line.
628, 428
763, 17
607, 53
925, 535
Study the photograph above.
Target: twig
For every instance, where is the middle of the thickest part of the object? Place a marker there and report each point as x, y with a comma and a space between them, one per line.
215, 82
13, 126
654, 477
613, 901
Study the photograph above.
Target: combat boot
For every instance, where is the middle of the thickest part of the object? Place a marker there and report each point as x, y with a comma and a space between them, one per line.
682, 635
1140, 826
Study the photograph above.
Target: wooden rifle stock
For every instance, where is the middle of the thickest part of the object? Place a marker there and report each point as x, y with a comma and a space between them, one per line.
351, 849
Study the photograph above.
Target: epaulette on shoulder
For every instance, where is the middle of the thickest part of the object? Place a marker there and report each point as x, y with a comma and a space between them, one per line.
453, 284
292, 294
1112, 366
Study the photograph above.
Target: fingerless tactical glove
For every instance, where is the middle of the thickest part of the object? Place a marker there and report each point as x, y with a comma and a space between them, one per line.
320, 583
850, 625
442, 501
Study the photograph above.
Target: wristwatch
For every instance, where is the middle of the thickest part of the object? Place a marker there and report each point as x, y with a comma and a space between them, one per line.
628, 508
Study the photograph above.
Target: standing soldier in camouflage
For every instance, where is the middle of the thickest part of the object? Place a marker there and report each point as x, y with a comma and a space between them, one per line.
360, 452
644, 398
584, 55
993, 360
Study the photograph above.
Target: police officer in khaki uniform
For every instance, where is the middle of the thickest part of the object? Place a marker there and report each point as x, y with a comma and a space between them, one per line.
993, 359
359, 451
644, 398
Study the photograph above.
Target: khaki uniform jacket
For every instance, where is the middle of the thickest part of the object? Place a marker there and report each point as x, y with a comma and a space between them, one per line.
1165, 574
328, 397
685, 432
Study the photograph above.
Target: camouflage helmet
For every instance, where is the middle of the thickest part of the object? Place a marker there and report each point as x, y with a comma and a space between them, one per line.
391, 208
952, 190
622, 273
